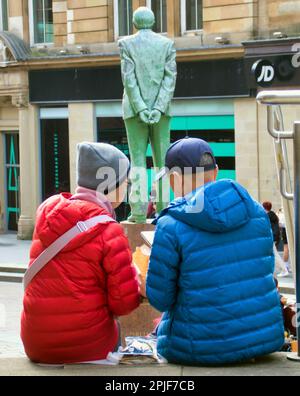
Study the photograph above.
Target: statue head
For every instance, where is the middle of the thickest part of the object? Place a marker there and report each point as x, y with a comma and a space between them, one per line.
143, 18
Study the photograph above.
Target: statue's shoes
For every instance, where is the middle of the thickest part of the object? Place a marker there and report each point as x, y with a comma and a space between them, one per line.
137, 219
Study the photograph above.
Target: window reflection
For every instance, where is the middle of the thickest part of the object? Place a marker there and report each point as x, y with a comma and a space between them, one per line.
194, 14
125, 17
43, 21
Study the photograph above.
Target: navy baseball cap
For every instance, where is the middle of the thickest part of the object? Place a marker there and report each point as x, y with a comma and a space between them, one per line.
188, 153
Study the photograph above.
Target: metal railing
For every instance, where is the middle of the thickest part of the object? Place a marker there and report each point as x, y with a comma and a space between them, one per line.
290, 190
286, 97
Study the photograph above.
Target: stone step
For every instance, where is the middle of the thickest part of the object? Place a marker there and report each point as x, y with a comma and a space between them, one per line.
286, 286
12, 269
11, 277
287, 290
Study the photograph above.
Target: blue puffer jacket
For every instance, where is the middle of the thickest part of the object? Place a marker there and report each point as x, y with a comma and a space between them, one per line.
211, 272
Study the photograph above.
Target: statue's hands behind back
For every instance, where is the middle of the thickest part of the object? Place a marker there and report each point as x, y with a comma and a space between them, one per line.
145, 116
155, 117
150, 118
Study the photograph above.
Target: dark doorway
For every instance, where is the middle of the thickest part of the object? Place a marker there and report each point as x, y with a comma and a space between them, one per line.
12, 167
55, 157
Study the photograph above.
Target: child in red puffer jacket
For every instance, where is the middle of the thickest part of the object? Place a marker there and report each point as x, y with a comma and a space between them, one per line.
71, 305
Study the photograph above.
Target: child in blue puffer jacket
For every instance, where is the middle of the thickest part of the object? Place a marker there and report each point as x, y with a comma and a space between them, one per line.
211, 267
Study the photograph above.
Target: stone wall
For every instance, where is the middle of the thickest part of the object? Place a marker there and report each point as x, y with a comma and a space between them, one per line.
78, 22
82, 21
284, 14
237, 19
88, 21
18, 22
60, 22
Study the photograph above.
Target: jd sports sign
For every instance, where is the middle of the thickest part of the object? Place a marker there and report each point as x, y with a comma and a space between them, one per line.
264, 73
279, 70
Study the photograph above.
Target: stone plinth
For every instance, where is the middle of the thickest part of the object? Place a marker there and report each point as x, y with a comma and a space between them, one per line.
133, 233
141, 321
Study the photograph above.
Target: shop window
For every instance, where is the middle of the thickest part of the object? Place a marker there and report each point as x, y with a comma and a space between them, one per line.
4, 15
123, 14
191, 15
41, 21
218, 131
159, 7
55, 157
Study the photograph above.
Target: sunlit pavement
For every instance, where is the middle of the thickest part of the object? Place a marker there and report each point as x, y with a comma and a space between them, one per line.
12, 251
10, 312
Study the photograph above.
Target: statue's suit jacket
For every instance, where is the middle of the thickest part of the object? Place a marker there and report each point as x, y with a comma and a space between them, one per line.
148, 63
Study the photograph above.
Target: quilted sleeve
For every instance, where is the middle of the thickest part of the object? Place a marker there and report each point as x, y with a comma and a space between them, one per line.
122, 286
163, 270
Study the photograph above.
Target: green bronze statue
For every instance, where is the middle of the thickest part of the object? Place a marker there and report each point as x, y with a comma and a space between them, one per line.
148, 64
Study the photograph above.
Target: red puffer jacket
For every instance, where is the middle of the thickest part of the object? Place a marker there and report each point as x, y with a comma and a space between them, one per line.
69, 307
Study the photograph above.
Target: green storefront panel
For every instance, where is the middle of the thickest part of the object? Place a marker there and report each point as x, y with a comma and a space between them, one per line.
227, 174
219, 149
197, 123
223, 149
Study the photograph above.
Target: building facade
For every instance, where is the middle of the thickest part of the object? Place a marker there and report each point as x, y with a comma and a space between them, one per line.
60, 84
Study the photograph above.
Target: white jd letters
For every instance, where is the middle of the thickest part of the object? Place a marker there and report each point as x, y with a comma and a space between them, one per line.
267, 74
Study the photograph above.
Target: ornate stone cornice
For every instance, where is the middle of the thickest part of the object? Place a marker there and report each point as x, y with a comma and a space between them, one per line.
113, 59
20, 100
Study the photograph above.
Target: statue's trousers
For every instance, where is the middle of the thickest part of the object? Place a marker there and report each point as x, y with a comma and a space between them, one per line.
139, 134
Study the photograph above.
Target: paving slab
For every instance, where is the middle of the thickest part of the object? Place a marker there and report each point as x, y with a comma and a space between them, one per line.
13, 252
287, 285
22, 367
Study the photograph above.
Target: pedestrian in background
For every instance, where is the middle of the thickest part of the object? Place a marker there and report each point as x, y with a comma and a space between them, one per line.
274, 220
280, 267
286, 253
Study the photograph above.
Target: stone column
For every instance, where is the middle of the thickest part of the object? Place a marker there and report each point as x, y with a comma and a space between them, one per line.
82, 128
18, 22
246, 138
60, 8
173, 11
263, 18
27, 182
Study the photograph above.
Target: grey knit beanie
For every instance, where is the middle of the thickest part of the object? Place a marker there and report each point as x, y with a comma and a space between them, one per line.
101, 166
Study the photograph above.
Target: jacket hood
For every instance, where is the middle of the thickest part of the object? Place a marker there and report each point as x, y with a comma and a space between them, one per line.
59, 214
218, 207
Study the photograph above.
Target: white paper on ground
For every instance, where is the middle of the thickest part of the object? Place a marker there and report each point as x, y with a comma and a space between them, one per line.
113, 359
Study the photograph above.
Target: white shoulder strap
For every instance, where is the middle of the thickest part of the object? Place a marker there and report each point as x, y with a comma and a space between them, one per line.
49, 253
